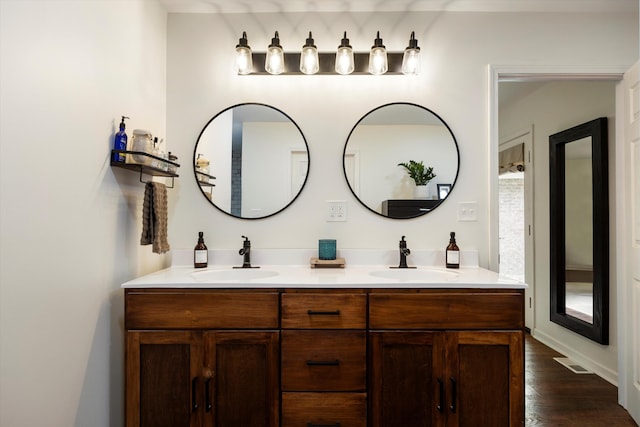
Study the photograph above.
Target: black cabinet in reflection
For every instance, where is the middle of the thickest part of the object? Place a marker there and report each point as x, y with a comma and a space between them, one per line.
408, 208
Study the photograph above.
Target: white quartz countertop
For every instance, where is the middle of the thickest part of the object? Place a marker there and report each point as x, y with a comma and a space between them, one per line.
302, 276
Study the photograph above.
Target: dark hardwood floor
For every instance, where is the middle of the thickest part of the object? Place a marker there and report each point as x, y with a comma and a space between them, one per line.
556, 397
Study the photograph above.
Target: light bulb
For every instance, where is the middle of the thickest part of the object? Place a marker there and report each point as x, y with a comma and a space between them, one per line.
244, 60
344, 57
274, 62
411, 57
309, 63
378, 63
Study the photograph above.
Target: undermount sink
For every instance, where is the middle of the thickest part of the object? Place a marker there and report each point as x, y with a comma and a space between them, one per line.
421, 275
235, 274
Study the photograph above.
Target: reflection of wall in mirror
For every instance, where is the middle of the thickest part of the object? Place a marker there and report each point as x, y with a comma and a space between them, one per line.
266, 166
219, 155
579, 213
381, 148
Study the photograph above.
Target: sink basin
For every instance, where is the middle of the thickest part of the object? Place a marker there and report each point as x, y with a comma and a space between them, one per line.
233, 275
418, 275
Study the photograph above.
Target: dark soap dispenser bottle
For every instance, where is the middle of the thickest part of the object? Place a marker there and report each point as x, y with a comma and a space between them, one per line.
120, 142
200, 253
453, 252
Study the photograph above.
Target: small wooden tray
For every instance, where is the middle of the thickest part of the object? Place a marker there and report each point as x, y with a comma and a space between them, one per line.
327, 263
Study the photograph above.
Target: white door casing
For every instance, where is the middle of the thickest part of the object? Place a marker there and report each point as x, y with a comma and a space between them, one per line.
526, 137
628, 238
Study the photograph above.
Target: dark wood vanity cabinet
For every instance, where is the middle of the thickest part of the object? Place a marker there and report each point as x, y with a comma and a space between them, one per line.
449, 358
202, 358
324, 357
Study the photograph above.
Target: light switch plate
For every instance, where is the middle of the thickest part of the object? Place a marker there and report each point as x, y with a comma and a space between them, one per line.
336, 210
468, 211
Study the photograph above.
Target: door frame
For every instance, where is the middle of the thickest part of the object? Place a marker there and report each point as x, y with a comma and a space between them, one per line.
627, 235
523, 73
525, 137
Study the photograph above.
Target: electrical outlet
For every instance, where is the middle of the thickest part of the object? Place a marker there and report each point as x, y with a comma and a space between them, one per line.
336, 210
467, 211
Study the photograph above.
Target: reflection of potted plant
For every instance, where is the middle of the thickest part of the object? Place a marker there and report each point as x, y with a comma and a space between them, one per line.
421, 175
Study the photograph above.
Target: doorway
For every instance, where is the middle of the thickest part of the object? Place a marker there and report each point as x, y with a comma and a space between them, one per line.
588, 355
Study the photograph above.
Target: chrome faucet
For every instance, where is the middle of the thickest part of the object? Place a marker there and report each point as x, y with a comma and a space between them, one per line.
404, 251
246, 252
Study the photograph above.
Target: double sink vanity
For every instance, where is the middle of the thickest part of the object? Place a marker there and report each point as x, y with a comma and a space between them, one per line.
288, 345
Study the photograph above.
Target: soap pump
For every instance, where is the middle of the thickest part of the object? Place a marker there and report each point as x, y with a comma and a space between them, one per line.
200, 253
452, 254
120, 142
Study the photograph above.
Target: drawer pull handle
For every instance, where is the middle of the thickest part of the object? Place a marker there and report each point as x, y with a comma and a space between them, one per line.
207, 395
194, 396
323, 425
323, 313
454, 395
323, 362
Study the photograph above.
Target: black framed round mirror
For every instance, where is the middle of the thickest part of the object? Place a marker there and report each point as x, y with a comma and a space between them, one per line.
401, 160
251, 161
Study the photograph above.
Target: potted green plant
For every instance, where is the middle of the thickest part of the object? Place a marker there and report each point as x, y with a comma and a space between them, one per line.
420, 174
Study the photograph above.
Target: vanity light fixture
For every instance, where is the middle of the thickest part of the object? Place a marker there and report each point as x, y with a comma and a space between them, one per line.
309, 62
343, 61
274, 62
411, 57
244, 61
378, 62
344, 57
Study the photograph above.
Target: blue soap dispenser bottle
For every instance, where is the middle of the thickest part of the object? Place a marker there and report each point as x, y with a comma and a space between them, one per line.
120, 142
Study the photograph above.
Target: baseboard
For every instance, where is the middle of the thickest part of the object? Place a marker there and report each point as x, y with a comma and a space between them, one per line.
597, 368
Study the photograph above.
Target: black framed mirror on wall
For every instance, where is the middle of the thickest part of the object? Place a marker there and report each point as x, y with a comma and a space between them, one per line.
401, 160
251, 161
579, 226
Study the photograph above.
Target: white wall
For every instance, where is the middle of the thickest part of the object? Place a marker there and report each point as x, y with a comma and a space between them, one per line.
69, 224
456, 49
554, 107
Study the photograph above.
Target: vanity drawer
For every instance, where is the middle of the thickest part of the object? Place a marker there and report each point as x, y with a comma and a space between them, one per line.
210, 309
455, 309
329, 360
324, 409
324, 311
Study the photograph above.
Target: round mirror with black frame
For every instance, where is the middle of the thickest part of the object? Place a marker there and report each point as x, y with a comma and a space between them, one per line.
251, 161
401, 160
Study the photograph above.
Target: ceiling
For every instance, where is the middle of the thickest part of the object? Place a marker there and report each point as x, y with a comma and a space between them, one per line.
278, 6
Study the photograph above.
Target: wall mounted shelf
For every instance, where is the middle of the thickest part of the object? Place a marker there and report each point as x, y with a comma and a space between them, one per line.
207, 182
150, 165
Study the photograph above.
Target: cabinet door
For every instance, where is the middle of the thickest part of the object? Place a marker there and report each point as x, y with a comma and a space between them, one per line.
241, 385
485, 379
405, 388
163, 379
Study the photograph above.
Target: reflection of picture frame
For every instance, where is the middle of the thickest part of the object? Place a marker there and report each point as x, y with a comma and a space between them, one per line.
443, 190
